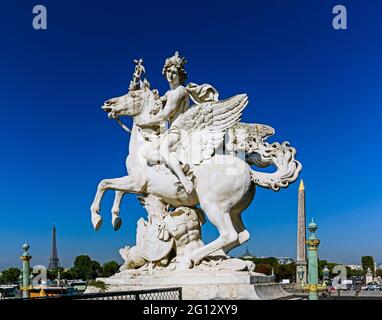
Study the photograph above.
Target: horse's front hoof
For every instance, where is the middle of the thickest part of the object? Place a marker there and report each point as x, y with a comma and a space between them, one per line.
116, 222
96, 221
244, 236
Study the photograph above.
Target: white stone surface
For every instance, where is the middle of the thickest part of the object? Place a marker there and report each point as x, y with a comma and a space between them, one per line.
197, 284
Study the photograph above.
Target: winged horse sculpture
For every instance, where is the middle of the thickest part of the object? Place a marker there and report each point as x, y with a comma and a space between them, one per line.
212, 141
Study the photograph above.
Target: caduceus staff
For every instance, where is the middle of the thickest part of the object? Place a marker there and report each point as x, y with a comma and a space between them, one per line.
134, 85
139, 69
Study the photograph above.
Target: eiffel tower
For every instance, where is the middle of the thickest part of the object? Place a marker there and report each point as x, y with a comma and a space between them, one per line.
54, 262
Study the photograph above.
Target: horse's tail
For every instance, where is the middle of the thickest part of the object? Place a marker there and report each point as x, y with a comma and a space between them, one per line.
283, 157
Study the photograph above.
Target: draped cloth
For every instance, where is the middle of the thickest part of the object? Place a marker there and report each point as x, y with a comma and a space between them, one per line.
202, 93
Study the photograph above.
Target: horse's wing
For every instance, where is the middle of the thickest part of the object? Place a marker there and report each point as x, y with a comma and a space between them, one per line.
203, 127
215, 116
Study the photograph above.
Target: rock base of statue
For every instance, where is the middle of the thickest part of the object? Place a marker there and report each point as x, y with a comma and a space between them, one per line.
200, 284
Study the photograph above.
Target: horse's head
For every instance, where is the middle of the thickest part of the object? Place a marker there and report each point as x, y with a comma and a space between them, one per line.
134, 103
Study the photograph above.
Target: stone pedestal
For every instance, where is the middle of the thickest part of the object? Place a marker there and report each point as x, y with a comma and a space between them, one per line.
201, 284
301, 270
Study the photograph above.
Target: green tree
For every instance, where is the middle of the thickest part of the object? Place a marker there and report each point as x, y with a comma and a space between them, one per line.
354, 273
379, 273
367, 262
68, 274
285, 271
10, 276
110, 268
264, 268
53, 274
270, 261
85, 268
96, 267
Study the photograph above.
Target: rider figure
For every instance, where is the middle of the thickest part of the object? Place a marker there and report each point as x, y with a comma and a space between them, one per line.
176, 102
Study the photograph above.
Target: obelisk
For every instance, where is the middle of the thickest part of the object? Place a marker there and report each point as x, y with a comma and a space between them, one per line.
301, 263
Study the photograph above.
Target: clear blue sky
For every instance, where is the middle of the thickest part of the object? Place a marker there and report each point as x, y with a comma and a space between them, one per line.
318, 87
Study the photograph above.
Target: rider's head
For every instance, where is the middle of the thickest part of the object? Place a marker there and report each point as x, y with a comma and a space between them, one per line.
173, 69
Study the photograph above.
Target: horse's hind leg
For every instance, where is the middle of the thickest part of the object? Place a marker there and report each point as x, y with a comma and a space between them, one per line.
116, 221
220, 188
237, 221
227, 233
243, 234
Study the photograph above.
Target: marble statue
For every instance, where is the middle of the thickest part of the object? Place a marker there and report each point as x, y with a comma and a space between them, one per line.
165, 237
188, 163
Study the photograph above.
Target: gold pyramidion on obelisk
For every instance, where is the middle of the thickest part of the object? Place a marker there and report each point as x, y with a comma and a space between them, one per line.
301, 187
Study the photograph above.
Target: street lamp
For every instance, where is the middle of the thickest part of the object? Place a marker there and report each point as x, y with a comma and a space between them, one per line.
25, 258
313, 242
